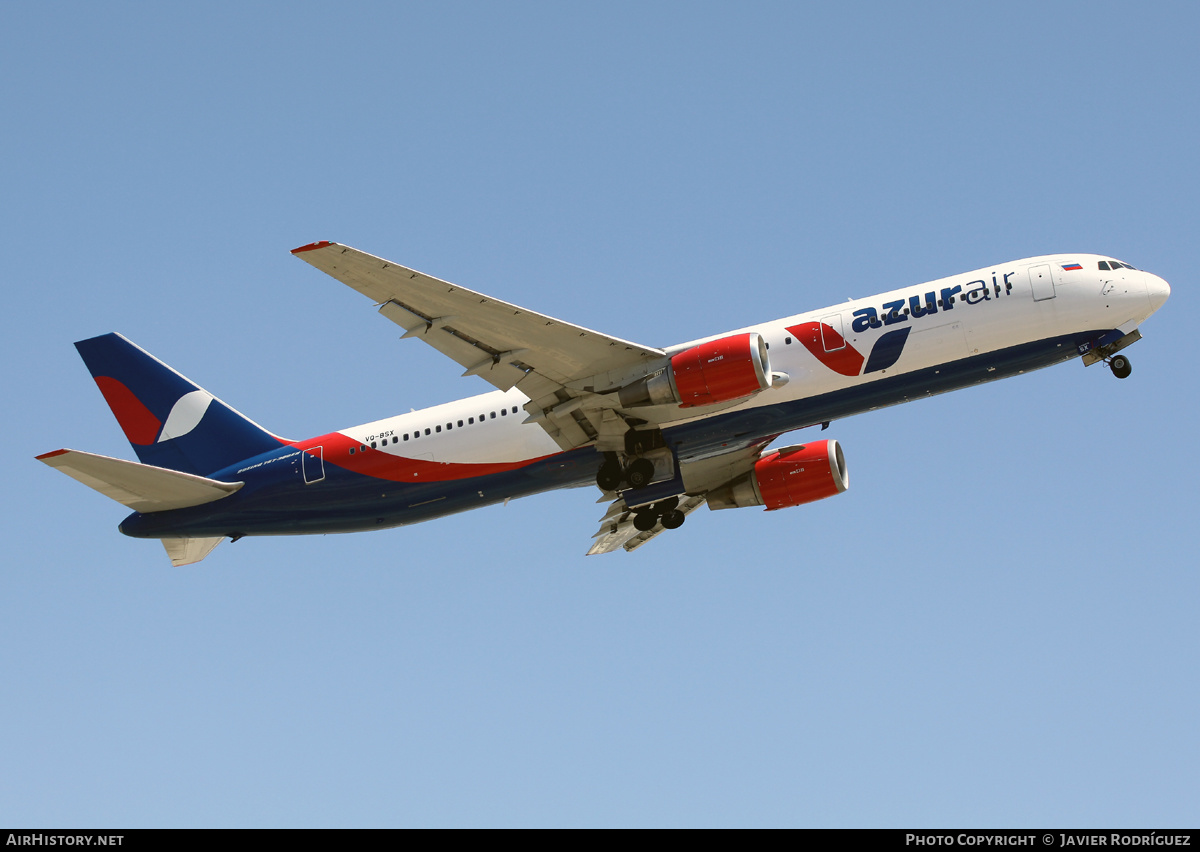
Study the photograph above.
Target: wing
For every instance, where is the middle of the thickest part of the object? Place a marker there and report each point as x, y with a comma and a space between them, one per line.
564, 369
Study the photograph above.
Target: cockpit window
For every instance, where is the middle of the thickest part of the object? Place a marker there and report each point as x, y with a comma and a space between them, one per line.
1104, 264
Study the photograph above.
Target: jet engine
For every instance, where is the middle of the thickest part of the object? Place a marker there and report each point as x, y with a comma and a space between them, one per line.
720, 370
788, 477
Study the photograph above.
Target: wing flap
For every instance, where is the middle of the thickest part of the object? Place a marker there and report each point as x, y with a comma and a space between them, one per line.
185, 551
495, 366
141, 487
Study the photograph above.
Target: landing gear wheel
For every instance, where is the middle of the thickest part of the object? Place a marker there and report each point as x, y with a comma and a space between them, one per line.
1120, 366
609, 476
644, 521
673, 519
664, 506
639, 474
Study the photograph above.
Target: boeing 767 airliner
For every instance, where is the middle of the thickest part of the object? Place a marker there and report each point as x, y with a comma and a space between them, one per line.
659, 431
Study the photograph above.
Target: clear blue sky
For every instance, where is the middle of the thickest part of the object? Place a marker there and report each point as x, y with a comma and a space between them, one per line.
995, 626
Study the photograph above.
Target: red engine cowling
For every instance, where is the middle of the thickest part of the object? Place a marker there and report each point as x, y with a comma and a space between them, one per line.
788, 477
721, 370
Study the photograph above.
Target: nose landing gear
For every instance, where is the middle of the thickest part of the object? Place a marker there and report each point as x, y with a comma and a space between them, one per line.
1098, 351
1120, 366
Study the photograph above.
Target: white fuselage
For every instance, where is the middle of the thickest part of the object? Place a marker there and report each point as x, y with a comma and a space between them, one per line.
949, 319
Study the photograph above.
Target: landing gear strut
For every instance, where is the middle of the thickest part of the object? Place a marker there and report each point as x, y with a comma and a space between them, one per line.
1120, 366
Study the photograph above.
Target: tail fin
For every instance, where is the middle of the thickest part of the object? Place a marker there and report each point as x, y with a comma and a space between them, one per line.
171, 421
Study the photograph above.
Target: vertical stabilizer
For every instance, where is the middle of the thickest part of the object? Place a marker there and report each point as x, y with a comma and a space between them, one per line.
170, 421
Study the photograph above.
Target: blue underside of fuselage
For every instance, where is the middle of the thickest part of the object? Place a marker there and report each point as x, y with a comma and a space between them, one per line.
277, 501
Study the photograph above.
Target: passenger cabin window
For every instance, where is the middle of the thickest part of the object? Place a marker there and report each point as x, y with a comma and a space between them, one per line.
460, 424
470, 419
406, 436
426, 431
493, 415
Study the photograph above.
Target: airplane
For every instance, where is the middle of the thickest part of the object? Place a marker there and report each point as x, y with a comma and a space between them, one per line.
660, 432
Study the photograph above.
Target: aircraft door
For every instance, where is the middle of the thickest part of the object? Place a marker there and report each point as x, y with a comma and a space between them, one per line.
313, 460
1041, 282
833, 337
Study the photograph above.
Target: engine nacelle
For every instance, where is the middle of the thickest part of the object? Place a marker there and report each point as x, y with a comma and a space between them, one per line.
720, 370
788, 477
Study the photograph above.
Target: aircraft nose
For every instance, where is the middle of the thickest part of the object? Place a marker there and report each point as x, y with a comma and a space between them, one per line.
1157, 290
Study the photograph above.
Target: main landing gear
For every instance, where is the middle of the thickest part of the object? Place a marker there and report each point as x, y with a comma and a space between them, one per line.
610, 476
638, 474
666, 511
1120, 366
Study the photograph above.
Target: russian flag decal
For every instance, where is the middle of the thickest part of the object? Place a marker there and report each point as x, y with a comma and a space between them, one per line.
1071, 266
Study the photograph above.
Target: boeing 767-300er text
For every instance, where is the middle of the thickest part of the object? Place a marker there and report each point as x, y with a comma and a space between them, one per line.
659, 431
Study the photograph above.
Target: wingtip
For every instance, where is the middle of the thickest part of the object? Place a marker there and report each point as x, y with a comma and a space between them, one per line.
312, 246
50, 454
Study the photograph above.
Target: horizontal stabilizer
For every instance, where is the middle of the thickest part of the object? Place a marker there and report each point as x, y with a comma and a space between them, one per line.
185, 551
141, 487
